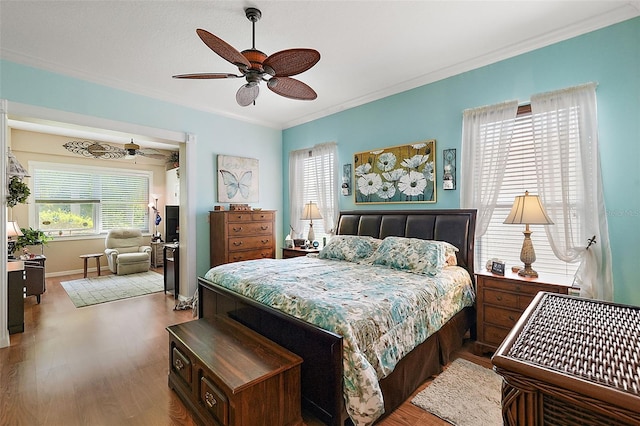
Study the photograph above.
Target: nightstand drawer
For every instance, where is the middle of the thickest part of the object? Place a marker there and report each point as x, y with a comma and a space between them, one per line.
250, 228
500, 298
521, 288
494, 335
214, 401
502, 317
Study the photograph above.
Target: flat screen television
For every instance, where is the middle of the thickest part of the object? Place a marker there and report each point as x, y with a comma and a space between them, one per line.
172, 224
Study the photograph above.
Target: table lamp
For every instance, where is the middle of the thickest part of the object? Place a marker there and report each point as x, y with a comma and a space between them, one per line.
13, 230
311, 212
527, 210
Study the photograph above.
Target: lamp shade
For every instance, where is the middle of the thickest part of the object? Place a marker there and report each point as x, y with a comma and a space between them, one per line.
527, 209
13, 230
311, 211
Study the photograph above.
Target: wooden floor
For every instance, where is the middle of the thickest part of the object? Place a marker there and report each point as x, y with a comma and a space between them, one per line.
107, 365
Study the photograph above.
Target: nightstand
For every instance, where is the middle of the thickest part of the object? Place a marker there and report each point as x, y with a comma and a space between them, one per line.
297, 252
502, 299
156, 253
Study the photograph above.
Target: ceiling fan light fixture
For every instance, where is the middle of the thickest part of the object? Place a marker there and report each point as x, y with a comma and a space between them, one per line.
256, 66
247, 94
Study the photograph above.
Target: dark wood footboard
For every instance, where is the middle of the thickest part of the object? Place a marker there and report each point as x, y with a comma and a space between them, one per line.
321, 350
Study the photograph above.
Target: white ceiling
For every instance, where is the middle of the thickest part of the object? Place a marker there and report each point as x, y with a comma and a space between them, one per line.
370, 49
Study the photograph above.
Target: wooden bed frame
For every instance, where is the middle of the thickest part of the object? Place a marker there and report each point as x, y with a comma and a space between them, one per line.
322, 350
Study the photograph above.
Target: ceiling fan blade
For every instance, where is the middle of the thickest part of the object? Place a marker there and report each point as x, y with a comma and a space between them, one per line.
291, 88
247, 94
207, 75
222, 48
291, 62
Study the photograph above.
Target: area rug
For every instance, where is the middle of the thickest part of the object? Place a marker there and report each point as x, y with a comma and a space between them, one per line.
464, 394
94, 290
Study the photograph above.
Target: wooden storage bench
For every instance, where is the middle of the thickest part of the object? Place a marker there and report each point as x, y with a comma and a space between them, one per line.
227, 374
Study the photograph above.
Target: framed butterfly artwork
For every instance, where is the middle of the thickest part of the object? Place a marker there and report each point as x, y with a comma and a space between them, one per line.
237, 179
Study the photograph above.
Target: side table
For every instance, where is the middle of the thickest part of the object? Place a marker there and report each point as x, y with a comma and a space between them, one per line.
297, 252
86, 258
571, 361
502, 299
157, 253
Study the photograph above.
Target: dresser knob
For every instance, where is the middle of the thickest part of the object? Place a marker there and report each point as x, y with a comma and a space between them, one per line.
264, 227
237, 243
511, 317
237, 229
265, 241
179, 364
210, 399
499, 298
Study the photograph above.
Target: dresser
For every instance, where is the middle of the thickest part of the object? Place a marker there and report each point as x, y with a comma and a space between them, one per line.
228, 374
502, 299
241, 235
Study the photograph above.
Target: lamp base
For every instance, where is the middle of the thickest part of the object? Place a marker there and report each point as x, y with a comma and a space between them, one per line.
527, 256
527, 272
311, 236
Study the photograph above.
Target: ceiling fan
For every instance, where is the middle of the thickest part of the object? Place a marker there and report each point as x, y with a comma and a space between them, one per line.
107, 152
255, 66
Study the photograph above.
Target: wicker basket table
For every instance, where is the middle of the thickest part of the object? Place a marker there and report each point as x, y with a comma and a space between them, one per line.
571, 361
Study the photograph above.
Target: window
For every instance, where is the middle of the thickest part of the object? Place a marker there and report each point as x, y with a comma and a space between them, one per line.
504, 241
313, 178
75, 200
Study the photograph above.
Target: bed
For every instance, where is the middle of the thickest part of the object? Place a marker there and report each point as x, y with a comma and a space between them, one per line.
325, 381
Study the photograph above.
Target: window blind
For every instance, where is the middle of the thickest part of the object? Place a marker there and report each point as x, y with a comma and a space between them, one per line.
120, 197
504, 241
318, 175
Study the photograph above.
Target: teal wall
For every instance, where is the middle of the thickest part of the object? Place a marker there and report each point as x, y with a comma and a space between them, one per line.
215, 134
610, 57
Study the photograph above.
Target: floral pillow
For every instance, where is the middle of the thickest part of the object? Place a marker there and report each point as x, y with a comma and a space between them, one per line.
413, 255
351, 248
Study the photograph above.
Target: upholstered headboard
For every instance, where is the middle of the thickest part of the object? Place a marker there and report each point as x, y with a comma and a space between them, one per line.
454, 226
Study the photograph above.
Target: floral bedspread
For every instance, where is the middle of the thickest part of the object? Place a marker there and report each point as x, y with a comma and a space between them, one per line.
382, 314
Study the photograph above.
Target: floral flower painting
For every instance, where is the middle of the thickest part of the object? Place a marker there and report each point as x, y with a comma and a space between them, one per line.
400, 174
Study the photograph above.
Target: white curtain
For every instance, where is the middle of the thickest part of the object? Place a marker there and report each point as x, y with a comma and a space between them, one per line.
565, 123
323, 182
486, 136
296, 190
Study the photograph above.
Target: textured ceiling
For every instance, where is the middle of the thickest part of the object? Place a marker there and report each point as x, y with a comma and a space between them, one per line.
370, 49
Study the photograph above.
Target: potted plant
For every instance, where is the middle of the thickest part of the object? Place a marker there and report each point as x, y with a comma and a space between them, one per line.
31, 237
173, 160
18, 192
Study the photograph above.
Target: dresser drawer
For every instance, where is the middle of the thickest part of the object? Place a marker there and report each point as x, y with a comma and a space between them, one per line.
241, 229
238, 256
214, 400
249, 216
240, 216
502, 317
248, 243
262, 216
181, 365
